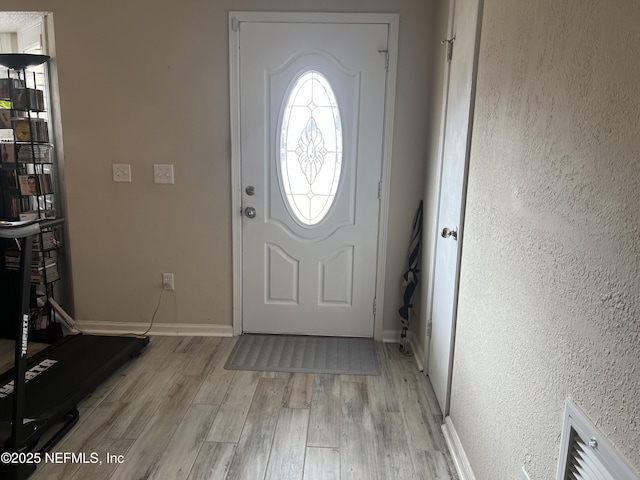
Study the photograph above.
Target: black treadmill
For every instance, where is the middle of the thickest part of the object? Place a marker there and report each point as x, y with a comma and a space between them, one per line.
42, 392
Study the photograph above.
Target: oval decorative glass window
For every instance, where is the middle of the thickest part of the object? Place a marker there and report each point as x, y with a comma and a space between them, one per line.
310, 148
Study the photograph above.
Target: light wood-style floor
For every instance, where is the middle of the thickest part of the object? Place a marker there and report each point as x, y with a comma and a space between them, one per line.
176, 413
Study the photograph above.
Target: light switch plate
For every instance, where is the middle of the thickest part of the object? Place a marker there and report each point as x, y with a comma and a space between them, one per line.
121, 172
162, 173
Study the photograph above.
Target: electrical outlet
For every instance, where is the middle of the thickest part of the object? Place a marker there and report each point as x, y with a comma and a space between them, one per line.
167, 281
121, 172
162, 173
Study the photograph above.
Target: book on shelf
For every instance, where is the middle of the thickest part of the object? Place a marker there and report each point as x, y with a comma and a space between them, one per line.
45, 241
7, 152
39, 319
36, 215
27, 99
17, 204
39, 153
48, 272
41, 267
29, 184
7, 85
8, 178
12, 255
34, 130
9, 117
25, 208
5, 119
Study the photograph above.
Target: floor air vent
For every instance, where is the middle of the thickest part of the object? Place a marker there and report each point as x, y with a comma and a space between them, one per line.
585, 454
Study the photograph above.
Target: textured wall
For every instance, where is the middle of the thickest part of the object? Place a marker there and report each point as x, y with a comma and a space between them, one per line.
147, 82
550, 290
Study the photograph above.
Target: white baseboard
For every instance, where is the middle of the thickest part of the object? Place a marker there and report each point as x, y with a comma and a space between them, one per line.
391, 336
463, 467
416, 349
168, 329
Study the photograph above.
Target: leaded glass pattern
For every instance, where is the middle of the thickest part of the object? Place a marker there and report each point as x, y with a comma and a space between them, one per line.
310, 148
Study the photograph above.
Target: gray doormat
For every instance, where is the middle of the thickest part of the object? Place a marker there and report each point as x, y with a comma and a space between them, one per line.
301, 354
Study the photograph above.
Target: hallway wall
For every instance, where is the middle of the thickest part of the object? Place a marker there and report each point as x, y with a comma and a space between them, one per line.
549, 305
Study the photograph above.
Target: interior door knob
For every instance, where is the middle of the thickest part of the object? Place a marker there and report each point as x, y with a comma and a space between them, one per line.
250, 212
450, 232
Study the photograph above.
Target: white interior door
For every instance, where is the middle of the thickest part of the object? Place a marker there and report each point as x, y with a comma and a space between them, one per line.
456, 143
312, 99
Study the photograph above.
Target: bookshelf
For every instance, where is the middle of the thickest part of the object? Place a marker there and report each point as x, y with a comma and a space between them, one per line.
27, 190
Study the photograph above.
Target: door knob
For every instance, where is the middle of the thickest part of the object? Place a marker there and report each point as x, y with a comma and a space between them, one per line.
250, 212
448, 232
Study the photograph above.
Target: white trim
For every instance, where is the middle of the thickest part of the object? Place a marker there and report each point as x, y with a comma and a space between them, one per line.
417, 351
169, 329
390, 336
236, 172
311, 17
463, 467
393, 22
433, 228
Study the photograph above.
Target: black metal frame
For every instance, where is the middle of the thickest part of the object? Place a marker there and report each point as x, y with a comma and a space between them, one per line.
24, 232
18, 62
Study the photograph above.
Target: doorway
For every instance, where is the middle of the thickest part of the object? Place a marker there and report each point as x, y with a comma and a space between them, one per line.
309, 154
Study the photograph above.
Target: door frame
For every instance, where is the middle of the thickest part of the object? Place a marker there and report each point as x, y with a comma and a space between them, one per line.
392, 20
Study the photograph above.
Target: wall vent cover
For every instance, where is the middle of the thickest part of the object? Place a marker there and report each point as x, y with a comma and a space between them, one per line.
585, 454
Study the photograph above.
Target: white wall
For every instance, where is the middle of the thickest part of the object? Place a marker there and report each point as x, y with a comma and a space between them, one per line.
7, 42
549, 298
147, 82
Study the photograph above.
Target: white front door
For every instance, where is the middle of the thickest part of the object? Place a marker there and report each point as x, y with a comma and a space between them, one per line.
312, 99
457, 132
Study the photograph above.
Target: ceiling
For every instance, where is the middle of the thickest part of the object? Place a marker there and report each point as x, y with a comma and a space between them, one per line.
13, 21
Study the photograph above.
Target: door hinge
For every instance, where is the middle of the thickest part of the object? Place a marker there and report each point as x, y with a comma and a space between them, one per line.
374, 306
449, 43
386, 57
235, 25
379, 190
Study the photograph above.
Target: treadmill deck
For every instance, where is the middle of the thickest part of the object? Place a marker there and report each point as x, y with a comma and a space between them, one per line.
60, 376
